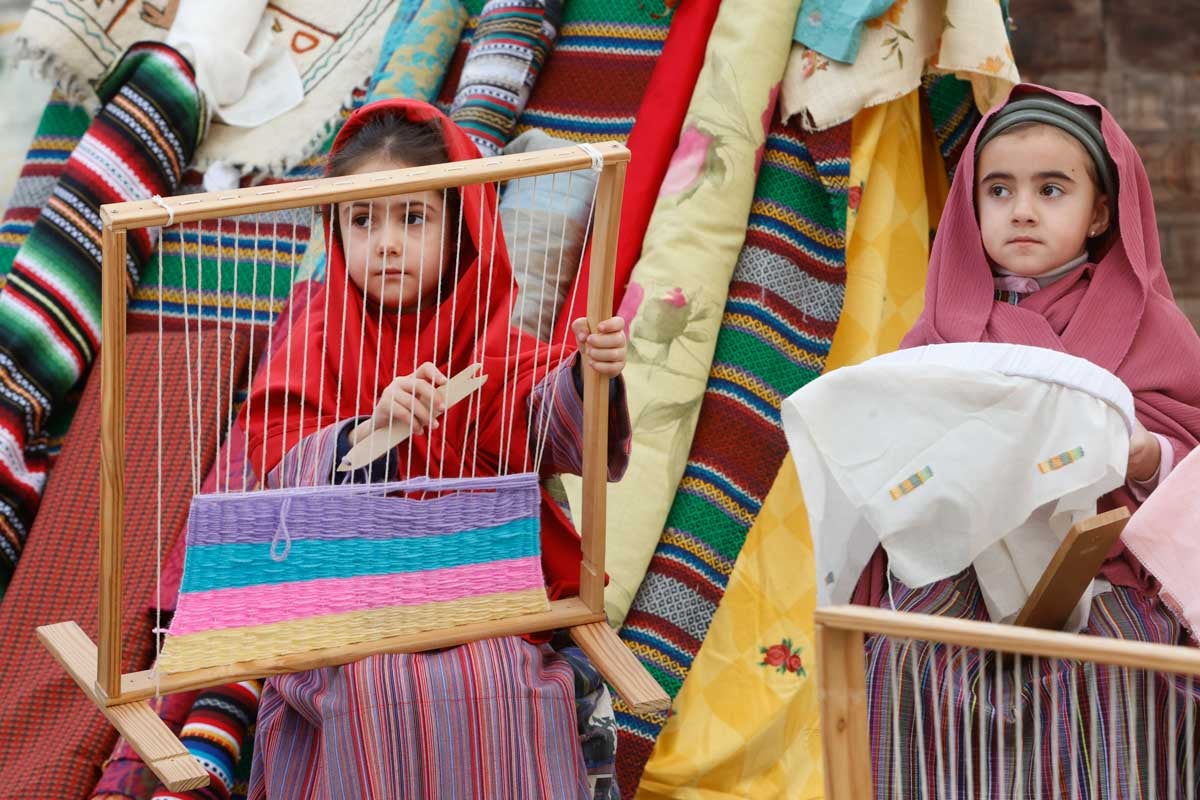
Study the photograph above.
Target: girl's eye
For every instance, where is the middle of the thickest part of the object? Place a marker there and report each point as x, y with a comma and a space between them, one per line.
998, 190
360, 220
1051, 190
414, 218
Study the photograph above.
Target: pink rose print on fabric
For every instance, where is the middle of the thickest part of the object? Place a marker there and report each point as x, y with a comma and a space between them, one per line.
694, 158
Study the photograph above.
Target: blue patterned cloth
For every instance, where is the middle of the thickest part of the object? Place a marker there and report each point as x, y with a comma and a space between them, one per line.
833, 27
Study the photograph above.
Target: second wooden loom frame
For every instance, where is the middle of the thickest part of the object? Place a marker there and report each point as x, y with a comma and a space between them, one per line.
96, 667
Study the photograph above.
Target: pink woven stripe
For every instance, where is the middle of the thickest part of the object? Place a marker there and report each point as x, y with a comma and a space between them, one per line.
262, 605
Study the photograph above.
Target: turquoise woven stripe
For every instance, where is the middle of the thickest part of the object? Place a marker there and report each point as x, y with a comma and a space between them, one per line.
231, 566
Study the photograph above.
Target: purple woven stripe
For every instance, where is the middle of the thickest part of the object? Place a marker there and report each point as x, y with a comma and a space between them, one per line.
362, 511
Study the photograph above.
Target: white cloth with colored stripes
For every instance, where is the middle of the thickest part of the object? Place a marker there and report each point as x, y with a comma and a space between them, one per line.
956, 455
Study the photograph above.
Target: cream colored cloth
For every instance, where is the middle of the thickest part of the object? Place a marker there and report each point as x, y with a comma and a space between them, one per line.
247, 76
955, 455
679, 285
963, 37
334, 45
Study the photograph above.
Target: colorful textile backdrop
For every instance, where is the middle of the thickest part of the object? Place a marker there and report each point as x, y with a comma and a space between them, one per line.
50, 302
335, 45
53, 740
764, 741
897, 48
784, 303
653, 139
679, 286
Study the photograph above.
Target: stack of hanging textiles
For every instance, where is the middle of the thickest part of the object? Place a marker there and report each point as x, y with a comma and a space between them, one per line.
775, 336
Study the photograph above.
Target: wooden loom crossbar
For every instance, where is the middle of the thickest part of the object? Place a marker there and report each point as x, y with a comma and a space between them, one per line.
97, 667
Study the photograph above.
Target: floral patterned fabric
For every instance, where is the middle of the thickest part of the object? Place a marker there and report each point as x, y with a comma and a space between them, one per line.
679, 286
968, 38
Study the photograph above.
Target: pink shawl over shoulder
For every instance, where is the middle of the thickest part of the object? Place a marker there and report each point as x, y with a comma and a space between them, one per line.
1118, 313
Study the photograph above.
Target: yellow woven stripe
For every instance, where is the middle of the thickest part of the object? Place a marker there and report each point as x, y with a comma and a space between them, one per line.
792, 162
211, 299
656, 657
793, 220
638, 33
806, 358
216, 648
689, 544
715, 495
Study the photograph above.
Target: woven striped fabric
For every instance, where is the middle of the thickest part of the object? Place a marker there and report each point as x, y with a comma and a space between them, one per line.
138, 145
784, 302
593, 82
216, 732
952, 110
267, 573
510, 44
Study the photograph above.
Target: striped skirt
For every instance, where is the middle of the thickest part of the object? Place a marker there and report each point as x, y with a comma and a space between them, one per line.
985, 725
493, 719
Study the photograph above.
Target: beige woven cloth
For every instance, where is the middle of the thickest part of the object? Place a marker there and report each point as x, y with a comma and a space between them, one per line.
334, 45
964, 37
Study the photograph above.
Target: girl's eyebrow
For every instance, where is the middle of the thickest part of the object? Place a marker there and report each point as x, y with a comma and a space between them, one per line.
408, 204
1048, 175
1056, 175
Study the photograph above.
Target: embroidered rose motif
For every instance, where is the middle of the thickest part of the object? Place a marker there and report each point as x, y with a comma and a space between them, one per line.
813, 61
889, 17
854, 198
775, 656
693, 159
666, 317
784, 658
630, 303
992, 65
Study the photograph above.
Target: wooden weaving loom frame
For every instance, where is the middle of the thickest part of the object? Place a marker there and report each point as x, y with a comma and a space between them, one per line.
96, 666
841, 631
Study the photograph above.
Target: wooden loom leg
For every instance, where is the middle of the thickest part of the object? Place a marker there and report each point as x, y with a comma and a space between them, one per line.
1074, 564
842, 693
595, 389
146, 733
620, 667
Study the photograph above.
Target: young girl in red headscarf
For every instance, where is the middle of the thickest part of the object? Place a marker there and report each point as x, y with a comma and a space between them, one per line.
419, 287
1048, 239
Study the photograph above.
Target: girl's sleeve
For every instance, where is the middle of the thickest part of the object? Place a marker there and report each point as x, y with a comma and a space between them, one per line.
1172, 454
313, 461
557, 409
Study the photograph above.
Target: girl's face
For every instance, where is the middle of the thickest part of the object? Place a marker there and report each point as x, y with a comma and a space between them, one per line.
1036, 202
395, 246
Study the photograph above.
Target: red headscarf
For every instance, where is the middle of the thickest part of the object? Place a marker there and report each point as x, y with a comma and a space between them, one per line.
343, 334
1118, 313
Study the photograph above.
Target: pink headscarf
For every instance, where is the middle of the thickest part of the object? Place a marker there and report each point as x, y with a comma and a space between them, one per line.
1119, 313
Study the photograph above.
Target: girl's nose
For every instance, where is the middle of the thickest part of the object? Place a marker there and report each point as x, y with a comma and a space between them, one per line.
390, 243
1022, 209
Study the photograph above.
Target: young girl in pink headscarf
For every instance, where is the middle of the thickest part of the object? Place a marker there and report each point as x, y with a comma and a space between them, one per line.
1048, 239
